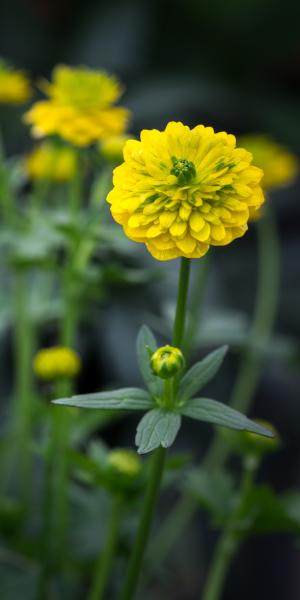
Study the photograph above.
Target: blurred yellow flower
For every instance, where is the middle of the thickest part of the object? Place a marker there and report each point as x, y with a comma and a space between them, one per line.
80, 107
48, 161
112, 147
181, 190
125, 462
14, 85
56, 363
279, 165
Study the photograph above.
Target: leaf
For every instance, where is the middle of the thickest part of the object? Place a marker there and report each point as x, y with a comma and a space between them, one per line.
146, 338
200, 374
123, 399
213, 489
211, 411
266, 512
157, 428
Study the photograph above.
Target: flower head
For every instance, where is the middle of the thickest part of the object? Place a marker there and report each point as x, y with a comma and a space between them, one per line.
49, 161
56, 363
181, 190
14, 85
125, 462
279, 165
80, 107
166, 361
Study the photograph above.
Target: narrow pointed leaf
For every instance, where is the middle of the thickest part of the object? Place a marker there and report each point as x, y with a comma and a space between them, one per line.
211, 411
146, 339
157, 428
200, 374
123, 399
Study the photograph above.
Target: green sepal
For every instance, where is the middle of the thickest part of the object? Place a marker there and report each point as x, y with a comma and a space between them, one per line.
200, 374
146, 340
123, 399
211, 411
157, 428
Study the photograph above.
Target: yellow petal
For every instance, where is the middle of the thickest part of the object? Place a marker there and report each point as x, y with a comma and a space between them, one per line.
178, 229
167, 218
202, 235
196, 221
187, 244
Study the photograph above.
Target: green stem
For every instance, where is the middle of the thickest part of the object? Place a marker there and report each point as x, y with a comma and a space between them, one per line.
24, 391
134, 568
106, 557
228, 542
179, 323
248, 376
196, 305
7, 200
76, 190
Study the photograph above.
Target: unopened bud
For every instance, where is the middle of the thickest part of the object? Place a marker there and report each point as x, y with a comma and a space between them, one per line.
166, 361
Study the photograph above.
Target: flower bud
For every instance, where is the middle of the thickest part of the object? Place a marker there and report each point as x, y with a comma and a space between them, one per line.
125, 462
56, 363
166, 361
247, 443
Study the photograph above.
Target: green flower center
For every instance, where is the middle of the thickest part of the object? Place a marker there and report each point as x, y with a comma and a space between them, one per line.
183, 169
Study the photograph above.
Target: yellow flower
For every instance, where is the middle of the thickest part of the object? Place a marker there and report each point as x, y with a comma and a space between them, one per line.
80, 107
112, 147
56, 363
181, 190
125, 462
279, 165
48, 161
14, 85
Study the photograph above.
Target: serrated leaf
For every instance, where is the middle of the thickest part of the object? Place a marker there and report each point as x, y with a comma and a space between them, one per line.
146, 339
200, 374
211, 411
123, 399
157, 428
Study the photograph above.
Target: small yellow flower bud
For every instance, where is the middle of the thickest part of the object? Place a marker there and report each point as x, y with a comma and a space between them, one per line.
111, 148
56, 363
126, 462
252, 444
166, 361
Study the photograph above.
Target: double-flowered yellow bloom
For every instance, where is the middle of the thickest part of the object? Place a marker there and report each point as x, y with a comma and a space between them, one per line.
14, 85
181, 190
81, 106
279, 165
51, 162
57, 362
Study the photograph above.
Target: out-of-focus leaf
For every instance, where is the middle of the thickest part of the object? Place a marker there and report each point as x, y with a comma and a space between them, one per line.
214, 490
157, 428
266, 512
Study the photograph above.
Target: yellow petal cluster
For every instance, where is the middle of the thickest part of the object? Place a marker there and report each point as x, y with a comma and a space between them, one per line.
51, 162
279, 165
14, 85
125, 462
181, 190
81, 107
56, 363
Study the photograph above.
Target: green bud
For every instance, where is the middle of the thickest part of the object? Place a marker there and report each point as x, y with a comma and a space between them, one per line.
166, 362
125, 462
252, 444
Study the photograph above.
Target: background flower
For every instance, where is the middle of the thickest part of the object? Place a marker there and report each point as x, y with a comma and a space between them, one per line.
14, 85
80, 107
49, 161
181, 190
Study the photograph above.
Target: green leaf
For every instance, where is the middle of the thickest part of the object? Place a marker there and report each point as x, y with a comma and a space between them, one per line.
157, 428
200, 374
211, 411
146, 339
123, 399
266, 512
213, 489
